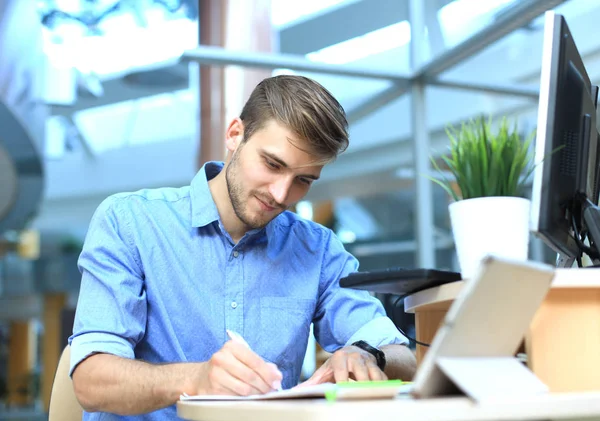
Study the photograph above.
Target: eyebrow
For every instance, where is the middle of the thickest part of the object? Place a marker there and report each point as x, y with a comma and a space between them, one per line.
285, 165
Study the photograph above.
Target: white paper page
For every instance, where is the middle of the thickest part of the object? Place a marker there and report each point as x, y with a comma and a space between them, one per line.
316, 391
369, 391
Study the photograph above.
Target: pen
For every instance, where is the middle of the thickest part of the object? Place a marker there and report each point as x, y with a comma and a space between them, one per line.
234, 336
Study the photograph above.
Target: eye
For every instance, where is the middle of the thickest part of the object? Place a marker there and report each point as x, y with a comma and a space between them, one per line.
271, 164
306, 181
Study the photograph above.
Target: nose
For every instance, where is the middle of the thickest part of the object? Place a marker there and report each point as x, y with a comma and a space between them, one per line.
280, 189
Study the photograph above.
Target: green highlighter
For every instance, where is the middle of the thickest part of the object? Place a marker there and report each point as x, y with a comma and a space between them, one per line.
379, 389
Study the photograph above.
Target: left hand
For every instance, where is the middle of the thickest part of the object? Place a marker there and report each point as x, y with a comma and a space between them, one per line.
347, 363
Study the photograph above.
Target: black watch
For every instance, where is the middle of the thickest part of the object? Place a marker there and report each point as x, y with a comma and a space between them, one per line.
376, 352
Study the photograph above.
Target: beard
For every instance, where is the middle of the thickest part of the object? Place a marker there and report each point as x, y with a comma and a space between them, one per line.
239, 200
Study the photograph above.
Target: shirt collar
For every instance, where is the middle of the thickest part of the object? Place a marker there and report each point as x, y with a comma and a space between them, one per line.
204, 209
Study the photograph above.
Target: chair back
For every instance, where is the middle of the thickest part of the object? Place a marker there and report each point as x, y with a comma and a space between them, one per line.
64, 406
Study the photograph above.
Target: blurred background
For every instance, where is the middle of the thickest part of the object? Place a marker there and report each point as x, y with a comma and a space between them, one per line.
104, 96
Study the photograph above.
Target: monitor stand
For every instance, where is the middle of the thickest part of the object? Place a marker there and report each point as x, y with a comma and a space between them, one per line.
588, 221
591, 220
564, 261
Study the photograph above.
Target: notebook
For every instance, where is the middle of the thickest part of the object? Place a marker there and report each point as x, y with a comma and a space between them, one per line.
331, 391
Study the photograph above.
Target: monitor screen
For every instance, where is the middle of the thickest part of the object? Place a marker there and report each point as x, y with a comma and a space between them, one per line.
567, 142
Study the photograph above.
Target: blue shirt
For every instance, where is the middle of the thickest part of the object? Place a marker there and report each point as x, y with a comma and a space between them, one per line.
162, 281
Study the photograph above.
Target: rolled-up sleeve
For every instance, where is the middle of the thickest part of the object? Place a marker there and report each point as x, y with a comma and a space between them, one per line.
345, 315
111, 310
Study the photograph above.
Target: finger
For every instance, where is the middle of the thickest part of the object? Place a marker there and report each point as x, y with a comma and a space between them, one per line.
250, 376
339, 364
321, 375
241, 373
358, 366
277, 384
375, 373
313, 380
269, 373
235, 386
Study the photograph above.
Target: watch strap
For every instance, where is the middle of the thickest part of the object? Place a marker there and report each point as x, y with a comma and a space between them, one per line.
376, 352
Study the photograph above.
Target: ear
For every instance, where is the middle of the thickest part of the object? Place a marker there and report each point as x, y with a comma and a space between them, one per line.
234, 134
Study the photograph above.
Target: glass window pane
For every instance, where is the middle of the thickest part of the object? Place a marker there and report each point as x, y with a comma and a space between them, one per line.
461, 19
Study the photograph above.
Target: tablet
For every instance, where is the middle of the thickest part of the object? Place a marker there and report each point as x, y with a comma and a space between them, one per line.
489, 318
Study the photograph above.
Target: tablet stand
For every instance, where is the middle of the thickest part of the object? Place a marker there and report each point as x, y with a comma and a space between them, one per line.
491, 378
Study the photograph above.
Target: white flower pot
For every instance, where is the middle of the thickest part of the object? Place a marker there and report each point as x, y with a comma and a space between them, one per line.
489, 225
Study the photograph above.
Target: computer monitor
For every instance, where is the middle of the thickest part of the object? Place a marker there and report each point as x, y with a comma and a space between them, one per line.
565, 184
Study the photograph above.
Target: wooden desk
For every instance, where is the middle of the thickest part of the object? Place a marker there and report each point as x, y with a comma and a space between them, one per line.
551, 407
563, 343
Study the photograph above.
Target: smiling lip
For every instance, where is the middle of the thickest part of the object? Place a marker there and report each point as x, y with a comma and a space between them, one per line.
265, 206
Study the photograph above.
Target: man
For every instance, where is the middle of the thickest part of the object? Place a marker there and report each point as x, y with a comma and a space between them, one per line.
167, 272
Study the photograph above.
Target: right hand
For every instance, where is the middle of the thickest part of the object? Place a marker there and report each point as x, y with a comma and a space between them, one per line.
237, 370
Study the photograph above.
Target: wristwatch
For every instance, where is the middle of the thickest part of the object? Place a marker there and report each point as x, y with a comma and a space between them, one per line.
376, 352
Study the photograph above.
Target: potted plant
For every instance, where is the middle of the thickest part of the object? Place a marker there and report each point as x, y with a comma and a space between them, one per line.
489, 170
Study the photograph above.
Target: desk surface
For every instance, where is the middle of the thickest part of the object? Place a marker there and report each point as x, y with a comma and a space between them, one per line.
439, 298
564, 406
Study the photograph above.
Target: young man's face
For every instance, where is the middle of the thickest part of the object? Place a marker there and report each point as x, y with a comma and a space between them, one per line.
268, 173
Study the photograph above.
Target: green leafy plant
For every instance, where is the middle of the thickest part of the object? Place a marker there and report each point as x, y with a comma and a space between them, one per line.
486, 162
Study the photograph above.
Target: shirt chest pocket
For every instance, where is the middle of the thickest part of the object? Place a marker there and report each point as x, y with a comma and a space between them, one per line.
285, 326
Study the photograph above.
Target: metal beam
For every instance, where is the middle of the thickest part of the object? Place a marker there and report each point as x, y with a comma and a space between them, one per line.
221, 57
423, 204
434, 27
396, 91
517, 16
493, 88
376, 102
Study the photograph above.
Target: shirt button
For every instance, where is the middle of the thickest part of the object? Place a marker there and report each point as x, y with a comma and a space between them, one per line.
233, 304
236, 253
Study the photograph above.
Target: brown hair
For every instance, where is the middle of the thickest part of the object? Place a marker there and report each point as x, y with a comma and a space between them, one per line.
303, 106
